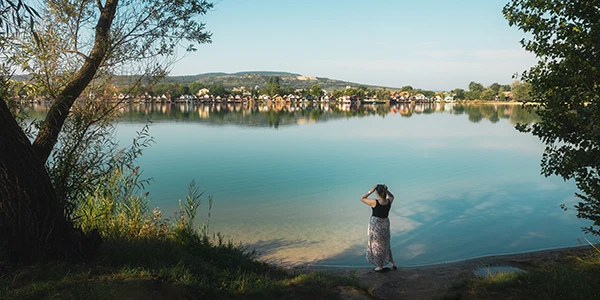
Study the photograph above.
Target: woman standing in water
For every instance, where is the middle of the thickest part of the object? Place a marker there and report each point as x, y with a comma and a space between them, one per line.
379, 251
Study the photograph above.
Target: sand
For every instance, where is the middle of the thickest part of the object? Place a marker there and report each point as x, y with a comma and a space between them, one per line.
426, 282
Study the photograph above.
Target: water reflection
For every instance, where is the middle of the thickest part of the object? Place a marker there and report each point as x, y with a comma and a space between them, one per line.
276, 114
468, 183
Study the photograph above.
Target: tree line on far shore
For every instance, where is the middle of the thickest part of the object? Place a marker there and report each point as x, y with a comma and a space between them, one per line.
516, 91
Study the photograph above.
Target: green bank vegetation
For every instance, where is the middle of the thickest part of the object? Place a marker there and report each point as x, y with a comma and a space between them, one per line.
255, 85
145, 256
570, 276
564, 89
75, 222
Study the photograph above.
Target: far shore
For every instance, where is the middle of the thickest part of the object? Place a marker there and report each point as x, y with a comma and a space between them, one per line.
489, 102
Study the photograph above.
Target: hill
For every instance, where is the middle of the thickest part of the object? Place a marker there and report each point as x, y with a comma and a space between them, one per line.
246, 79
260, 78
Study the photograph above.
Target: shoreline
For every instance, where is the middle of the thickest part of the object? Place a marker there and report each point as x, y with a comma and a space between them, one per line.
427, 281
539, 252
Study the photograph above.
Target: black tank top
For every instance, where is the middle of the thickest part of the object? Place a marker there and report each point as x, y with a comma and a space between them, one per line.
382, 211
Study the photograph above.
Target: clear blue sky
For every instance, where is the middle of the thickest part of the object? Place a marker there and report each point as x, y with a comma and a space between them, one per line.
428, 44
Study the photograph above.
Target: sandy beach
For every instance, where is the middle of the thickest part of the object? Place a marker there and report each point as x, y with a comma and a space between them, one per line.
425, 282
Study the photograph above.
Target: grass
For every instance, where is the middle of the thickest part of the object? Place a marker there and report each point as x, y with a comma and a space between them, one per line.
573, 276
182, 266
145, 256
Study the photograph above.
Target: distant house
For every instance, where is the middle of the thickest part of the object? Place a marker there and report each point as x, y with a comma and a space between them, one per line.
203, 92
420, 97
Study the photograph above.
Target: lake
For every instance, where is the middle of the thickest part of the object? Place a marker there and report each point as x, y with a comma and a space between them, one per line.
287, 180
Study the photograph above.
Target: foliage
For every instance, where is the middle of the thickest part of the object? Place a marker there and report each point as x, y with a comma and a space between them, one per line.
495, 87
173, 267
82, 44
521, 91
382, 94
274, 86
571, 276
565, 85
316, 91
488, 94
459, 94
70, 56
102, 186
475, 87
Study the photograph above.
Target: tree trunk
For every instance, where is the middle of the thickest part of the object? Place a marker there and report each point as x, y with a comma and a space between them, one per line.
55, 119
32, 223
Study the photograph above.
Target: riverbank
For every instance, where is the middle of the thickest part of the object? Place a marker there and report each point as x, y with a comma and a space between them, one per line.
443, 281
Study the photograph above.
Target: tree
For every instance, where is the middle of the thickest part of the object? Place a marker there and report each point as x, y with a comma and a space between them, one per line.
488, 94
274, 86
406, 88
218, 90
316, 91
521, 91
77, 42
195, 87
183, 89
501, 95
337, 94
495, 87
459, 93
475, 90
475, 87
383, 94
471, 95
565, 85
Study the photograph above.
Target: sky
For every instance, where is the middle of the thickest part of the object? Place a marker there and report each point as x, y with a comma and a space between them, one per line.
427, 44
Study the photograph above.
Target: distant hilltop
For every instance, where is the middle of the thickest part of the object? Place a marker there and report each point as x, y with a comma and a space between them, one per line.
260, 78
248, 79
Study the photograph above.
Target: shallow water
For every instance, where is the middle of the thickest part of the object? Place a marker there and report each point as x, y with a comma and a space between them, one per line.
286, 181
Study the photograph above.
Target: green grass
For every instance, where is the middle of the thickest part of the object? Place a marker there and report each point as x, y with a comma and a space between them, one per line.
571, 277
184, 265
146, 256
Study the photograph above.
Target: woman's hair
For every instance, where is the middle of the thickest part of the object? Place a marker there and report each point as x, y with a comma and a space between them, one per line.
381, 190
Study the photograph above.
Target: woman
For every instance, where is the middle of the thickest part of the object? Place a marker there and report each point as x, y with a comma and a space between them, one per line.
379, 251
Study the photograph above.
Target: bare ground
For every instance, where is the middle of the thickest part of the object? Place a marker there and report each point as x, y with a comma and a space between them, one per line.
427, 282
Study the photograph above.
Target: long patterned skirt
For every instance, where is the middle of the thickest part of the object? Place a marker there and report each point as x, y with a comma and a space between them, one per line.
379, 251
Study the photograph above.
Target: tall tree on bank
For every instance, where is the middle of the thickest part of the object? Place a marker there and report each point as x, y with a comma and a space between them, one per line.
565, 36
64, 62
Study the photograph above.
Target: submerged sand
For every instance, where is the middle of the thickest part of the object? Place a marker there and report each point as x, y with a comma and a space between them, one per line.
425, 282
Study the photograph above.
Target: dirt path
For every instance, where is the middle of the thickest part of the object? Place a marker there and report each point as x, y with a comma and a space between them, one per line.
421, 283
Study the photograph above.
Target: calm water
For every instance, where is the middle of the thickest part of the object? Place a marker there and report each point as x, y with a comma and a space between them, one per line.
286, 181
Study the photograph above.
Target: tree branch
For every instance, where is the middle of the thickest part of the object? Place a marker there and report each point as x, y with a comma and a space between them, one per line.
48, 134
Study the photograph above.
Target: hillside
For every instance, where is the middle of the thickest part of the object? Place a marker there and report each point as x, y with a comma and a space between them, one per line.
260, 78
246, 79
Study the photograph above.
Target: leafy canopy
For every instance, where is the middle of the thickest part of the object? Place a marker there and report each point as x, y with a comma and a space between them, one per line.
565, 86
